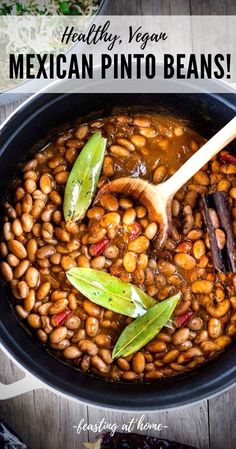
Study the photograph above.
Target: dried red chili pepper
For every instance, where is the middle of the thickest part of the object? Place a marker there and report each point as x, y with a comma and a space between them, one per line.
182, 320
134, 441
97, 248
60, 318
228, 158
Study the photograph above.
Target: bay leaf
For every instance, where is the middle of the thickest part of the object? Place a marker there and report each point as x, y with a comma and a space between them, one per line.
83, 179
138, 333
110, 292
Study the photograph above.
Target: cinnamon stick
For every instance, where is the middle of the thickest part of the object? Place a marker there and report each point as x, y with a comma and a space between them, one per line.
223, 256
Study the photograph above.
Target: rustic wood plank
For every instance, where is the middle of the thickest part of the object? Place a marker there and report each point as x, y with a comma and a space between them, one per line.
166, 7
188, 425
231, 7
41, 418
222, 418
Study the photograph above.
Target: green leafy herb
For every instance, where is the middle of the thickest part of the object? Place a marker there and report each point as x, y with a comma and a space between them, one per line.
110, 292
138, 333
64, 7
19, 8
82, 182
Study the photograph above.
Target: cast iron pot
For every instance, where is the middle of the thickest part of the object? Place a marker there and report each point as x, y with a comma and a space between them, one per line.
31, 123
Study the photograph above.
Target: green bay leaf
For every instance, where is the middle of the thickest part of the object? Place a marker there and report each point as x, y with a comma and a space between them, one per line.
83, 179
110, 292
138, 333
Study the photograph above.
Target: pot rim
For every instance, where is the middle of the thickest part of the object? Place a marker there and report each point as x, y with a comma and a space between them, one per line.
41, 384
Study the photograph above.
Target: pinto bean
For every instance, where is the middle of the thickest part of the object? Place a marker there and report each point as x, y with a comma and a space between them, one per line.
171, 356
182, 307
143, 122
110, 219
202, 287
126, 143
214, 327
30, 185
209, 347
159, 174
139, 245
3, 249
195, 324
156, 346
67, 263
180, 336
73, 322
88, 347
57, 335
7, 233
29, 301
185, 261
137, 140
111, 252
45, 251
47, 231
105, 355
138, 362
43, 290
23, 289
109, 202
99, 364
21, 311
12, 260
220, 309
98, 262
45, 183
34, 320
123, 364
148, 132
129, 216
21, 268
220, 238
91, 308
17, 227
129, 261
17, 249
83, 261
58, 306
91, 326
223, 341
32, 277
157, 374
103, 340
31, 247
6, 271
27, 222
61, 177
199, 249
119, 151
151, 230
72, 352
189, 354
166, 268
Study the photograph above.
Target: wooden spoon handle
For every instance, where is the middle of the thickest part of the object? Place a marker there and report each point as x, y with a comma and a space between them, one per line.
200, 158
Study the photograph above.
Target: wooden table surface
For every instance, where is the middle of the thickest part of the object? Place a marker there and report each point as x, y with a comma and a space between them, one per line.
45, 420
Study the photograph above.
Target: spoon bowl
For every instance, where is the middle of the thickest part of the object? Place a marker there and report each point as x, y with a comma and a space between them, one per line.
158, 198
155, 198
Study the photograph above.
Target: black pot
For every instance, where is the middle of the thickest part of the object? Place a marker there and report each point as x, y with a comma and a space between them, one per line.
32, 122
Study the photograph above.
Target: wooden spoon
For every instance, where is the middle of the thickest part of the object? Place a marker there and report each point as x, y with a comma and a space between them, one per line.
158, 198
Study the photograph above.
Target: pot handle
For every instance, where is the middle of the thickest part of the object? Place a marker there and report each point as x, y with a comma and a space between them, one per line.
28, 383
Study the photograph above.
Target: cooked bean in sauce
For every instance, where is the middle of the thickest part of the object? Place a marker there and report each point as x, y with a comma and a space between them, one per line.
38, 247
